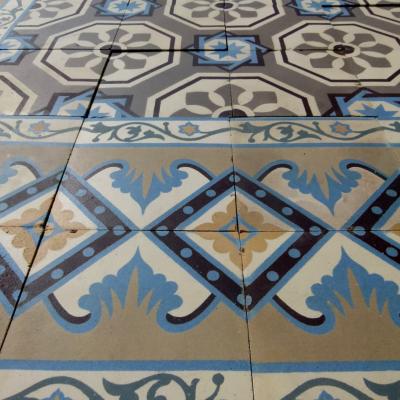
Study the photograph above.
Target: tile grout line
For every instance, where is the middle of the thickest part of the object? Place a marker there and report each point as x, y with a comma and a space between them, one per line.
241, 258
96, 89
3, 340
247, 323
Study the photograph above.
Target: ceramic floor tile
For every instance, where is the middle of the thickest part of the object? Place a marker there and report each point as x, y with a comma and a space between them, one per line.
358, 33
163, 84
173, 25
264, 21
381, 102
290, 83
73, 24
380, 80
33, 155
305, 306
306, 25
327, 381
382, 16
48, 82
308, 175
149, 174
75, 298
17, 249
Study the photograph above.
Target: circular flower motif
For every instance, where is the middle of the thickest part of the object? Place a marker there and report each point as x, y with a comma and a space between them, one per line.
189, 129
340, 128
343, 52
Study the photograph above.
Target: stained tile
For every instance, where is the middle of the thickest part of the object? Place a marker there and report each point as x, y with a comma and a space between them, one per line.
173, 25
78, 24
17, 249
149, 174
162, 84
305, 175
315, 294
48, 82
33, 155
75, 297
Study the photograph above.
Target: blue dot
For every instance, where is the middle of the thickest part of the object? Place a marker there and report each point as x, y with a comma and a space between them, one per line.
376, 210
392, 252
359, 230
287, 211
315, 230
88, 252
294, 253
211, 193
261, 193
213, 275
57, 273
118, 230
188, 210
81, 192
186, 252
99, 210
244, 300
272, 276
32, 190
162, 230
3, 206
391, 193
234, 178
2, 269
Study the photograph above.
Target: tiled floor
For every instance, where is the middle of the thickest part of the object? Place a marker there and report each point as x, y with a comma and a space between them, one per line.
200, 199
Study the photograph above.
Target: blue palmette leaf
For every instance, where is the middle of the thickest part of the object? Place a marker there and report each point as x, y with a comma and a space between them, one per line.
161, 294
328, 188
146, 186
327, 294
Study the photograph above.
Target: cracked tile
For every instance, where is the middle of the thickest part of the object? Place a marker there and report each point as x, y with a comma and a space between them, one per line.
48, 82
149, 174
33, 155
161, 84
300, 175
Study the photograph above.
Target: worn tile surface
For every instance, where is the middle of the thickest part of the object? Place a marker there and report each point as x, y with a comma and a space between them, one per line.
48, 82
173, 25
162, 84
199, 199
73, 24
33, 156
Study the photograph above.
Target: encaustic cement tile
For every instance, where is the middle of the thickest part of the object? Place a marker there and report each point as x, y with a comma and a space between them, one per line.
359, 33
173, 25
17, 249
48, 82
149, 174
333, 381
156, 290
316, 175
82, 24
163, 84
289, 83
344, 63
329, 304
33, 155
299, 24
